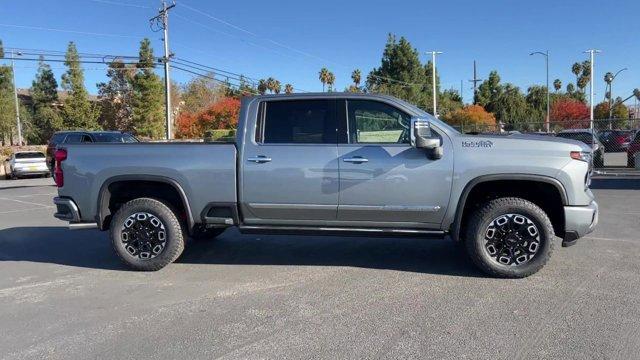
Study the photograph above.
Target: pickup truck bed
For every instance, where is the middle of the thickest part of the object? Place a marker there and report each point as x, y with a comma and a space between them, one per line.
204, 172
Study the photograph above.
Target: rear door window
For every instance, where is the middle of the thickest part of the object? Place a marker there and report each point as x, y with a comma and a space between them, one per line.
298, 122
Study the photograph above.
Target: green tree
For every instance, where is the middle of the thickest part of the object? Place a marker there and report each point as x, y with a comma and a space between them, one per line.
356, 76
571, 88
262, 87
331, 80
201, 92
116, 97
147, 113
400, 73
449, 101
557, 84
576, 69
323, 76
511, 108
271, 83
489, 92
288, 89
277, 87
537, 102
7, 105
78, 111
46, 117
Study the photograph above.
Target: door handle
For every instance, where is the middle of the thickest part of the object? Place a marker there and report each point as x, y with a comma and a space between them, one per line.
356, 160
259, 159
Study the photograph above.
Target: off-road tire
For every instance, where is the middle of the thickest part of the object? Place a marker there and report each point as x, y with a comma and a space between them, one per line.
174, 241
476, 229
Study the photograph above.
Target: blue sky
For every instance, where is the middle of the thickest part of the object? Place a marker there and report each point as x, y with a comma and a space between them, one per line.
292, 40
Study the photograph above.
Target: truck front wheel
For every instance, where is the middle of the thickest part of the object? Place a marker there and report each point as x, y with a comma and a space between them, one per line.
509, 237
146, 234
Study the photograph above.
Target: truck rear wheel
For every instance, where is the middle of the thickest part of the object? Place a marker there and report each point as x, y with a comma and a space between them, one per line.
146, 234
509, 238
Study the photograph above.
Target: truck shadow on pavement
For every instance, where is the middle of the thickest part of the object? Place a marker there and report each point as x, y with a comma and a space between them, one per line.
92, 249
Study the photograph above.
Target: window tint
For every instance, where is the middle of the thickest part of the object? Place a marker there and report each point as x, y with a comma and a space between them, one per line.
114, 137
377, 122
73, 139
29, 155
299, 122
57, 138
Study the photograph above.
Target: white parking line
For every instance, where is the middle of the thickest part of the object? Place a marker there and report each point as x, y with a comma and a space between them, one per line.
23, 202
610, 239
30, 195
43, 207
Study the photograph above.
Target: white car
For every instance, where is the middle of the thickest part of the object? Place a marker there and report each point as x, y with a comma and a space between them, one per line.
26, 163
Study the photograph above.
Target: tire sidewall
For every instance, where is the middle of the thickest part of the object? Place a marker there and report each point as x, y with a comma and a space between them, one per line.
532, 212
174, 243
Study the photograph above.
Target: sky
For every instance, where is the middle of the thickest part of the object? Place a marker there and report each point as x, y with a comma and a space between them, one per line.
292, 40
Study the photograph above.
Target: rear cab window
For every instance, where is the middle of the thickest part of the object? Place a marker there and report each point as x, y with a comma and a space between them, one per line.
297, 122
30, 155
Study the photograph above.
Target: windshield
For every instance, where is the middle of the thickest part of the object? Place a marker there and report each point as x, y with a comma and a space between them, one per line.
114, 138
29, 155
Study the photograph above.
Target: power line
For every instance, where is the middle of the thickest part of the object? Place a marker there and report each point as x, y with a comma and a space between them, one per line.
290, 48
121, 4
69, 31
216, 80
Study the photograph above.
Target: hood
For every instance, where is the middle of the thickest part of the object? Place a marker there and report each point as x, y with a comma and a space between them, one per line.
524, 142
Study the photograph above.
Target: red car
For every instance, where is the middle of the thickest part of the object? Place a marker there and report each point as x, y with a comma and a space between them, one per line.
634, 148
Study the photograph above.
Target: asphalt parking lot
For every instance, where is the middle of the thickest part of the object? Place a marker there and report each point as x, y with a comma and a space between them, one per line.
64, 294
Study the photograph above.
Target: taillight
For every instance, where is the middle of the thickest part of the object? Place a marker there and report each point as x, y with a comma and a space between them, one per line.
60, 156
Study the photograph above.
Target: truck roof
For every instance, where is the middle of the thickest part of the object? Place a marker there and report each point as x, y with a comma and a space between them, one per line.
327, 95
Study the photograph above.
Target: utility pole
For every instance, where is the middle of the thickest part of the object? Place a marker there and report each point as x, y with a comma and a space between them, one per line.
162, 19
546, 57
433, 80
475, 82
591, 53
15, 96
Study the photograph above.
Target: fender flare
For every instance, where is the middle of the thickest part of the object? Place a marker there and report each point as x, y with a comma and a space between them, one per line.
104, 195
455, 227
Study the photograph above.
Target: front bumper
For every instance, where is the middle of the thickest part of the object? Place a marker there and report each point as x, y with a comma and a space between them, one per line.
579, 221
66, 210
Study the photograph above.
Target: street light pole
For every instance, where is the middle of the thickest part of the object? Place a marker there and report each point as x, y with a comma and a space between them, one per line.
546, 57
591, 53
611, 91
433, 80
15, 96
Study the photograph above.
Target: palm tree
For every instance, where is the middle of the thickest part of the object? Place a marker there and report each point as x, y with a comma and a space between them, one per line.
271, 84
331, 79
323, 76
356, 76
636, 93
288, 89
276, 86
262, 87
557, 84
576, 69
570, 88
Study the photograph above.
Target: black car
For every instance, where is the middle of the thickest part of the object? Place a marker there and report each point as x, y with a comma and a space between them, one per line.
75, 137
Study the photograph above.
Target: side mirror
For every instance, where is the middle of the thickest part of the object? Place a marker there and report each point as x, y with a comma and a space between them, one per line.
423, 138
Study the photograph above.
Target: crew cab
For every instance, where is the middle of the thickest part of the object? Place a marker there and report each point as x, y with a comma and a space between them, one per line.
335, 163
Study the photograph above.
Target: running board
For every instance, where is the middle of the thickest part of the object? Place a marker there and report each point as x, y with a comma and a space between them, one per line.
339, 231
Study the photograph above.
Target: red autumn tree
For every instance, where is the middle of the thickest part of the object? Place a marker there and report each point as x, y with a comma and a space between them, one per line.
570, 114
222, 114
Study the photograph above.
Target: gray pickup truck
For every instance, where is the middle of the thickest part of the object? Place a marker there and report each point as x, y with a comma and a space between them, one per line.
355, 164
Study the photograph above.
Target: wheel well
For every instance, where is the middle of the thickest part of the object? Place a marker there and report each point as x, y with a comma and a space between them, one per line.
546, 195
118, 193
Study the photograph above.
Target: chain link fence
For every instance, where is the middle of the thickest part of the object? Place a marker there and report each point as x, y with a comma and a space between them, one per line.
615, 142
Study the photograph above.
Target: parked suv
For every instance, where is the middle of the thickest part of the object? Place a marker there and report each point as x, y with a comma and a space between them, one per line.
77, 137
